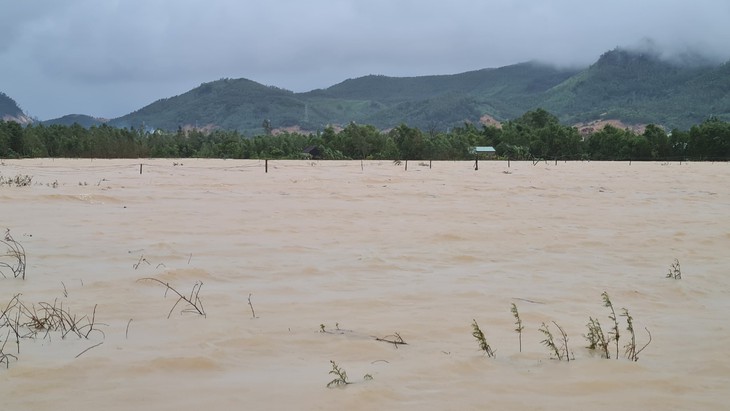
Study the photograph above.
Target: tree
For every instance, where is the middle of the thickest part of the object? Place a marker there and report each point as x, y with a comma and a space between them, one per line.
658, 141
14, 132
409, 141
709, 140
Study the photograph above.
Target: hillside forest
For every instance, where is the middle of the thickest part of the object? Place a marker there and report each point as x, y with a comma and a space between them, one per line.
536, 134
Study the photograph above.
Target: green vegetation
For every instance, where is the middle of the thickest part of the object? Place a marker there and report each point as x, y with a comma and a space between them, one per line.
428, 117
535, 135
340, 376
639, 88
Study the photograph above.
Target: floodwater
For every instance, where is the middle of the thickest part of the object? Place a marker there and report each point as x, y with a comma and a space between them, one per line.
332, 255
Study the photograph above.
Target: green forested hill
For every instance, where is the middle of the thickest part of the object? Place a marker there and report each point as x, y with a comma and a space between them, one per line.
238, 104
641, 88
426, 102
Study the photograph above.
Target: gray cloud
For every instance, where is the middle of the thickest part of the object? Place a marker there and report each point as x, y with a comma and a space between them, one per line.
108, 58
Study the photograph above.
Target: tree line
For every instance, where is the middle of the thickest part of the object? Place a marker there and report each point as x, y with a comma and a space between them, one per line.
535, 135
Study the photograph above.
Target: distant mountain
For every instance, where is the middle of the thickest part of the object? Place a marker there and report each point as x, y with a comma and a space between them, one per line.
10, 111
229, 104
632, 87
80, 119
428, 102
623, 86
642, 88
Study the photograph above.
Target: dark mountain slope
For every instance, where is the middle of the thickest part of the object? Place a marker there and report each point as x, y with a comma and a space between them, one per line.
641, 88
8, 107
80, 119
229, 104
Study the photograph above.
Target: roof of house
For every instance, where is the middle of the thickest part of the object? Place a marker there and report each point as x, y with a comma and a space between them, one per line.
483, 149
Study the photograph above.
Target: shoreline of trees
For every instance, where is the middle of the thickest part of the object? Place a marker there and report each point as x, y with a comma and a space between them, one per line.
535, 135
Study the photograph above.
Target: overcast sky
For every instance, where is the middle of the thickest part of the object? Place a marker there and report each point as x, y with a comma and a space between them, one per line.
107, 58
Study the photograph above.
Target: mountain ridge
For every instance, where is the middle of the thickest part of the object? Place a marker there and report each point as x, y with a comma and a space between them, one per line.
634, 87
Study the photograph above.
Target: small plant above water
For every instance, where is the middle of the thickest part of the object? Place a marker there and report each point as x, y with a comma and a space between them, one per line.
675, 271
560, 353
631, 352
12, 259
193, 302
336, 330
340, 376
596, 338
614, 333
481, 339
5, 357
518, 323
253, 313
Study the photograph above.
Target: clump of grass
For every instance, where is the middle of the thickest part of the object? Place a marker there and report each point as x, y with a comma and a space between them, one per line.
560, 353
21, 321
340, 376
54, 317
193, 302
481, 339
12, 261
675, 271
598, 339
18, 181
518, 323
